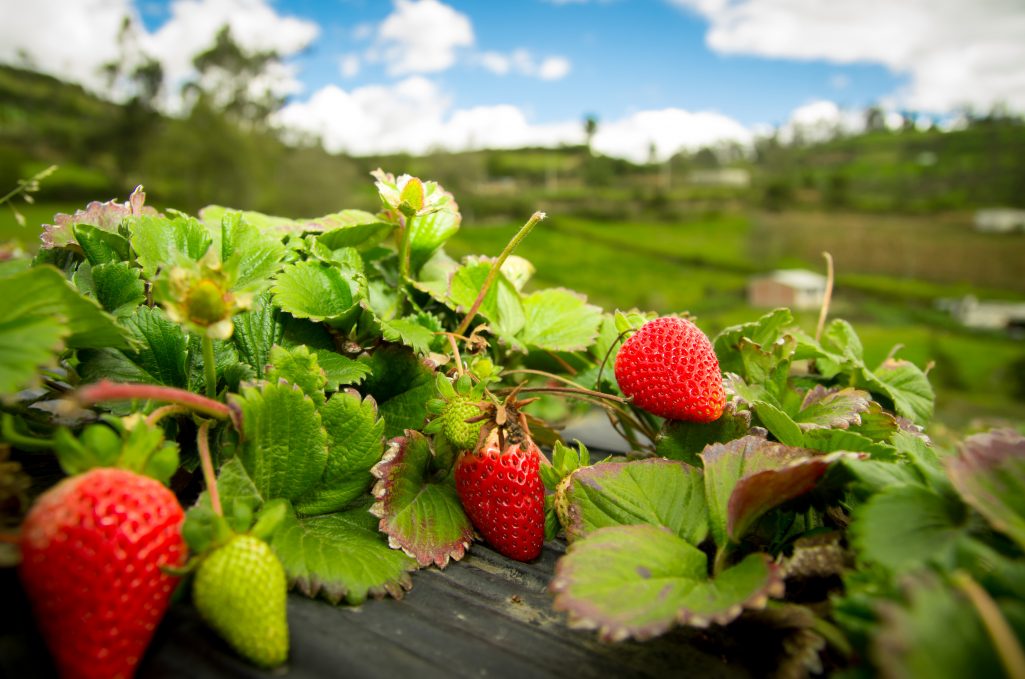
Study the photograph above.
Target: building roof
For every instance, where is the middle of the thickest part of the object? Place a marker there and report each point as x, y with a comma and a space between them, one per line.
799, 278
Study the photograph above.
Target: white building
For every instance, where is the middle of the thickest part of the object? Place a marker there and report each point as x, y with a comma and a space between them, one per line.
793, 288
999, 220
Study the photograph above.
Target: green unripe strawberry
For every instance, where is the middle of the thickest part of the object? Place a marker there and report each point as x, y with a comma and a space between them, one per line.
240, 590
462, 434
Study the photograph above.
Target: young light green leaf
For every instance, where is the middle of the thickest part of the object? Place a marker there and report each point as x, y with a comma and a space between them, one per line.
350, 229
341, 557
100, 246
762, 333
415, 331
428, 232
256, 331
284, 445
420, 515
248, 256
906, 526
559, 320
501, 305
298, 366
355, 441
317, 291
640, 581
340, 370
160, 241
989, 474
401, 385
656, 491
118, 287
906, 385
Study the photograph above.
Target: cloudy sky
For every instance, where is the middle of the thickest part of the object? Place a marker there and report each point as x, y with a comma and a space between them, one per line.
377, 76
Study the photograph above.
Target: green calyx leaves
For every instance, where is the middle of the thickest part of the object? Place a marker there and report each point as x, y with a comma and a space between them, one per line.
129, 443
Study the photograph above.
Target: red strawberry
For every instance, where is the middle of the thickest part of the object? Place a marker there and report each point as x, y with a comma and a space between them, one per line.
92, 548
670, 370
502, 492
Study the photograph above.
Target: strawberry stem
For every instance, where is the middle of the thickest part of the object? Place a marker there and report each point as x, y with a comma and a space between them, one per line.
826, 297
207, 463
165, 411
105, 390
209, 367
1000, 633
495, 267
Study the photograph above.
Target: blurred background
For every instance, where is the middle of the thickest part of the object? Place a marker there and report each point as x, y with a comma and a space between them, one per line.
693, 155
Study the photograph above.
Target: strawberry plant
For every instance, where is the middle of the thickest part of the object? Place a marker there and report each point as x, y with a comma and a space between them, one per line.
338, 403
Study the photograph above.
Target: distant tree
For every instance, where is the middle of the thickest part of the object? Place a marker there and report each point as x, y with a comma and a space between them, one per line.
590, 128
874, 119
133, 75
235, 82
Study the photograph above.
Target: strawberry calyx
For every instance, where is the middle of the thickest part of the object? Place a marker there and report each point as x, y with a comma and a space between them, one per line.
130, 443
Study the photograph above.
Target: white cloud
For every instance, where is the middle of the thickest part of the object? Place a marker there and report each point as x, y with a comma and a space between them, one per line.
73, 40
415, 116
670, 130
349, 65
820, 120
522, 62
421, 37
954, 52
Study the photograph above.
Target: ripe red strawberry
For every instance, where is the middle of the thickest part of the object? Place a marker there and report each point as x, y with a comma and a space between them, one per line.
92, 548
670, 370
502, 492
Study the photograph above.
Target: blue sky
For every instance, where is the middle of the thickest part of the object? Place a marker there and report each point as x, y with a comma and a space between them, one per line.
367, 76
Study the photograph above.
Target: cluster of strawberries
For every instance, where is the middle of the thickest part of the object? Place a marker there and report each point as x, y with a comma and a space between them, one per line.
668, 368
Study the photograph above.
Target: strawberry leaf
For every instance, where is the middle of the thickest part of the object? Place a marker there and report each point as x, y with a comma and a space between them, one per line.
559, 320
350, 229
104, 216
761, 333
248, 256
102, 247
778, 423
318, 291
903, 383
501, 307
749, 476
341, 557
300, 367
117, 287
401, 386
421, 515
834, 408
905, 526
355, 441
680, 440
160, 241
657, 492
429, 232
213, 216
989, 474
257, 331
640, 581
284, 445
340, 370
416, 331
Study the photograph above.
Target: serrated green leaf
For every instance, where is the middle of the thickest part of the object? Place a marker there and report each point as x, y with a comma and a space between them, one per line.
162, 346
256, 331
29, 341
248, 257
340, 370
118, 287
841, 339
832, 440
355, 442
317, 291
657, 492
559, 320
226, 362
762, 333
834, 408
100, 246
422, 516
341, 557
778, 423
401, 385
239, 493
906, 526
300, 367
106, 216
427, 233
351, 229
213, 216
639, 581
284, 445
907, 386
989, 474
749, 476
413, 331
683, 441
160, 241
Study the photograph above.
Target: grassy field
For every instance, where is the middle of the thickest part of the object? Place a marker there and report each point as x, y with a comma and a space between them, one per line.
700, 267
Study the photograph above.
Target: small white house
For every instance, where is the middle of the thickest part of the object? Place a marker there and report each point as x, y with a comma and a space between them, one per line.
794, 288
999, 220
1009, 316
